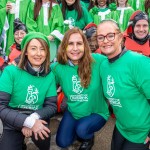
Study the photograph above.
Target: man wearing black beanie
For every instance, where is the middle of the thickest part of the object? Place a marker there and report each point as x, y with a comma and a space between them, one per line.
137, 36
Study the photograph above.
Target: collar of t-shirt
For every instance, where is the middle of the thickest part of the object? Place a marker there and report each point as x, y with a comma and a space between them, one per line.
111, 60
70, 63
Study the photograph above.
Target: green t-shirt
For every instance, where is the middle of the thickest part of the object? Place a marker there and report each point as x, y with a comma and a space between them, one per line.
126, 84
82, 101
27, 91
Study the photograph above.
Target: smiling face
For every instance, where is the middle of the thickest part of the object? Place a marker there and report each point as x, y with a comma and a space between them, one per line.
75, 48
70, 2
141, 29
36, 53
19, 35
109, 48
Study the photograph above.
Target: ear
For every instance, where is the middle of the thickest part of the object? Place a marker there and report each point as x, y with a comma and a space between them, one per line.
120, 36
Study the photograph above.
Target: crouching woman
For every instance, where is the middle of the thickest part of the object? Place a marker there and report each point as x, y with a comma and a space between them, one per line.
28, 96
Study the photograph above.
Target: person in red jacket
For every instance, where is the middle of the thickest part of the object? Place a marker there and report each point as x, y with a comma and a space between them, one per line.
137, 36
20, 31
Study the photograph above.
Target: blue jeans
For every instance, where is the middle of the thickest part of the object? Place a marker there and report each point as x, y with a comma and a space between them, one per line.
84, 128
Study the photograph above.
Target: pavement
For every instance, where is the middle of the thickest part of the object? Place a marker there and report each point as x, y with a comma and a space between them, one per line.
102, 139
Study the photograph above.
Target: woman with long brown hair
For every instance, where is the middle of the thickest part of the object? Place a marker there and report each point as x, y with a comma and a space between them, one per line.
77, 72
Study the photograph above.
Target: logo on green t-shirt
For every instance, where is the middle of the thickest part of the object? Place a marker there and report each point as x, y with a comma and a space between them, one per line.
110, 86
77, 88
32, 95
111, 92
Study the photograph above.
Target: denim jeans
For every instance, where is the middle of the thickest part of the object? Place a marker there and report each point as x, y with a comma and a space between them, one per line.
71, 128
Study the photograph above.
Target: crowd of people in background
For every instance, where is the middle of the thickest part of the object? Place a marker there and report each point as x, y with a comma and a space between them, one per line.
96, 51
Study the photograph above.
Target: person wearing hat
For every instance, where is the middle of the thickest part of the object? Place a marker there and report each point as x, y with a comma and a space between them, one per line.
20, 31
90, 33
137, 36
28, 95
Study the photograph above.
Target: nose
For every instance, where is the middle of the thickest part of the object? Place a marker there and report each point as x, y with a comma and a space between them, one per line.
38, 52
105, 40
75, 47
141, 28
19, 34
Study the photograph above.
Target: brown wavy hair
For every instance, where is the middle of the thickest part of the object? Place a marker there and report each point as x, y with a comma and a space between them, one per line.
84, 64
38, 5
24, 59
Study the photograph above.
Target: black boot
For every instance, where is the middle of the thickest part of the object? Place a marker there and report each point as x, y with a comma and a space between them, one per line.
87, 144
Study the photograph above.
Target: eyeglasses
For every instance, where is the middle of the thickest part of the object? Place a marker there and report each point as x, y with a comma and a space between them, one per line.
109, 37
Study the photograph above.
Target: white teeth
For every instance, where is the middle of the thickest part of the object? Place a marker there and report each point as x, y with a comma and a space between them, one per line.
107, 46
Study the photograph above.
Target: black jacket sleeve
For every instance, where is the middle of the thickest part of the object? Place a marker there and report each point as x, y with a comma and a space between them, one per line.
8, 115
49, 108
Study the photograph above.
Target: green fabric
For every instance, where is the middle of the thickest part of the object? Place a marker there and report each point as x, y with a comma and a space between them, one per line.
22, 16
33, 35
82, 101
112, 6
126, 84
137, 4
55, 22
125, 14
85, 3
99, 14
82, 22
53, 25
26, 91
